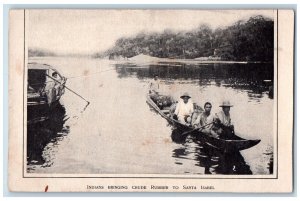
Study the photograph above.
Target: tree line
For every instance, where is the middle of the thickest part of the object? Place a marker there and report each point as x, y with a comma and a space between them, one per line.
251, 40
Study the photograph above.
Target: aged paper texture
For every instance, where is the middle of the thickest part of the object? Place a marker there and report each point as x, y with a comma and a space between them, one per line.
151, 100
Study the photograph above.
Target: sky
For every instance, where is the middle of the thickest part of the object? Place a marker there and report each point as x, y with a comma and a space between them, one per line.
90, 31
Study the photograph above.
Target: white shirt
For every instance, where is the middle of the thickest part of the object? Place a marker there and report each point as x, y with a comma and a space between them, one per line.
184, 109
203, 120
225, 120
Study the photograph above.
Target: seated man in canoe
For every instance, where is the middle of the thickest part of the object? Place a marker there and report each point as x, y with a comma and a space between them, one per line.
204, 120
223, 126
155, 94
184, 109
154, 86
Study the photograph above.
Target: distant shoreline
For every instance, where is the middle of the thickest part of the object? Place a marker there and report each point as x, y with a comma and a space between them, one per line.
145, 59
156, 60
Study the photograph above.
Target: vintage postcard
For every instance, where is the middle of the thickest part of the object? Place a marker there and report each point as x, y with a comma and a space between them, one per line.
151, 100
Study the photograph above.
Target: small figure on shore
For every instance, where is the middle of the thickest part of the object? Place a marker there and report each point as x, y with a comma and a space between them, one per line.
184, 109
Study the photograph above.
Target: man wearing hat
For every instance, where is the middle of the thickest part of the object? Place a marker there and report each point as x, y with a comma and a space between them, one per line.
224, 114
223, 126
184, 109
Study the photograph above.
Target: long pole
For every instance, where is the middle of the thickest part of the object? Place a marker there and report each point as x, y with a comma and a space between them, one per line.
70, 90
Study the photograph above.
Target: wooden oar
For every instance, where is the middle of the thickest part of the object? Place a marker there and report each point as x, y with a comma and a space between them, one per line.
188, 132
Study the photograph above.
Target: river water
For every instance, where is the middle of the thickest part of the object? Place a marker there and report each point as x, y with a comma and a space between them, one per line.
118, 133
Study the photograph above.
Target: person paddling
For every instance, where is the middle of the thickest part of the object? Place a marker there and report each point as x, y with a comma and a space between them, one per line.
184, 109
223, 126
205, 119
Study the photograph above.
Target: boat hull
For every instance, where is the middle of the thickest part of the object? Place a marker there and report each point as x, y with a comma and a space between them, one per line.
41, 100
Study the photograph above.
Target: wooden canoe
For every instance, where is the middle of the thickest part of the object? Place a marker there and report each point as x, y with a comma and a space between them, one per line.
225, 145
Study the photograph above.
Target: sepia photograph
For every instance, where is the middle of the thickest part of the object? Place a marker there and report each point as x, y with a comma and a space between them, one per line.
170, 94
142, 95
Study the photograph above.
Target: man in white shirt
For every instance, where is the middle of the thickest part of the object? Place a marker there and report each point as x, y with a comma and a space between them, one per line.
184, 109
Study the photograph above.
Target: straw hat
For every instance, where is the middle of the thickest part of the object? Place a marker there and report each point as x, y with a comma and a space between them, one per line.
185, 95
226, 104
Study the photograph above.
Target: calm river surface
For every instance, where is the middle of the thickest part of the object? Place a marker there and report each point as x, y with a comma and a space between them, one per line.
118, 133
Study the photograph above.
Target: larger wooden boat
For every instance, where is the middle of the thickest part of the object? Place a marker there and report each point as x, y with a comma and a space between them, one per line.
236, 143
45, 86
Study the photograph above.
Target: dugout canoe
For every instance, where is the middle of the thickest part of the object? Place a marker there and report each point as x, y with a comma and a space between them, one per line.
225, 145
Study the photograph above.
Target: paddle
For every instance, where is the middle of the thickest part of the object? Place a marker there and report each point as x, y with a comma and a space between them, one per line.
179, 137
188, 132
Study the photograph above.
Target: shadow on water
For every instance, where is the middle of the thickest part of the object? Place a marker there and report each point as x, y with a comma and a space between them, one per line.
42, 133
178, 136
269, 156
271, 165
222, 163
212, 160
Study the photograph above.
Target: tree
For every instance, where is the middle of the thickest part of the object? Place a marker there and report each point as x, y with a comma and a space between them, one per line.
251, 40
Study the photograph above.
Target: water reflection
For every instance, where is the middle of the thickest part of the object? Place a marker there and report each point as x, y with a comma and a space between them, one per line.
256, 78
271, 164
211, 160
233, 163
44, 134
144, 131
269, 156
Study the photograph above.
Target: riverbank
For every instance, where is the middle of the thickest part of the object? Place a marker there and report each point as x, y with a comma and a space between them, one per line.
149, 60
142, 60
